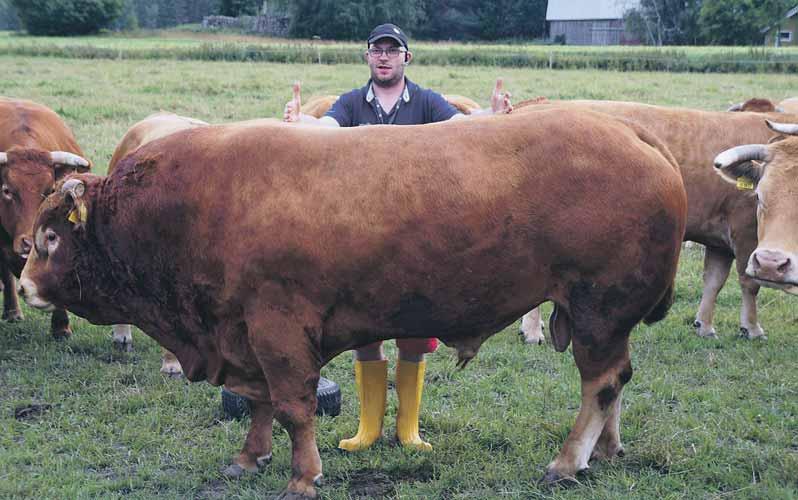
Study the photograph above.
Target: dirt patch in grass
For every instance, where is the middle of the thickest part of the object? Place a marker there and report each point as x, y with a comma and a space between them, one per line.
371, 484
212, 490
32, 411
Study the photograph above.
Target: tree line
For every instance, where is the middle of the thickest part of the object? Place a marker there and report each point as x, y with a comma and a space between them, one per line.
656, 22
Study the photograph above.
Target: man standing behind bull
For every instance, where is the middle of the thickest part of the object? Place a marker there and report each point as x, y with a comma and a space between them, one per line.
389, 98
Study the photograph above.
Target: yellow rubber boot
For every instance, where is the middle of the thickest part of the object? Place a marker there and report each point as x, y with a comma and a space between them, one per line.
409, 386
371, 379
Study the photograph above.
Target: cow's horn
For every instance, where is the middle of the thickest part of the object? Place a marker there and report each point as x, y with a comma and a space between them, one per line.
736, 107
3, 158
783, 128
740, 154
71, 159
779, 109
74, 187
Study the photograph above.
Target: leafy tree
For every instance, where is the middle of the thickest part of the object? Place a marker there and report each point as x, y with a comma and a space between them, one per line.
666, 22
235, 8
8, 16
66, 17
350, 19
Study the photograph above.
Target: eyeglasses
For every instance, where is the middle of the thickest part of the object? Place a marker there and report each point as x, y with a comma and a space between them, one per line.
390, 52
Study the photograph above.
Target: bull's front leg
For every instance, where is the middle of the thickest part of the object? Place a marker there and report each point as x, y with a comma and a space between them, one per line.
257, 450
122, 337
597, 426
749, 323
59, 325
11, 311
284, 350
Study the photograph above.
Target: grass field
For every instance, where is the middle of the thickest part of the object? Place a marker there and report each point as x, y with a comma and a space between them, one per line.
190, 45
701, 419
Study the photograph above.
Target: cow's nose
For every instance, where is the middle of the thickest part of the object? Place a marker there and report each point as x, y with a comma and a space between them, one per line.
771, 265
26, 245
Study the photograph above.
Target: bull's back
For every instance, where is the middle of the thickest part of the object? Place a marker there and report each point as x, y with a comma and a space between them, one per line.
375, 210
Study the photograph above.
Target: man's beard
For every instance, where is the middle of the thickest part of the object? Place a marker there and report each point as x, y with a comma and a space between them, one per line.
390, 82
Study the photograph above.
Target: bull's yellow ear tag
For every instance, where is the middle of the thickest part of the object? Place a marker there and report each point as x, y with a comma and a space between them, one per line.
745, 184
77, 215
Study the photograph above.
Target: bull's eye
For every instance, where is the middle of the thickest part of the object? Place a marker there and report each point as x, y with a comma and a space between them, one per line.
7, 194
51, 240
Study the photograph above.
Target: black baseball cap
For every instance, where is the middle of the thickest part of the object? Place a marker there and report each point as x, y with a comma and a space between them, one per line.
388, 31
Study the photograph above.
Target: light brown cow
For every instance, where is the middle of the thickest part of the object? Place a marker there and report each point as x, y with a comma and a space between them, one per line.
720, 217
318, 105
147, 130
36, 150
768, 173
256, 275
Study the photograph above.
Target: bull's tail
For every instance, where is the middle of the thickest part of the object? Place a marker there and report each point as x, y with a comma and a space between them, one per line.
661, 309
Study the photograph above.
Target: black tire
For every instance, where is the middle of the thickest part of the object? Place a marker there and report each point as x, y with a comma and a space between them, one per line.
328, 395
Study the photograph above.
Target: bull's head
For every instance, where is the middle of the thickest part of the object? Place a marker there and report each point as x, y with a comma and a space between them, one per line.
770, 171
28, 176
50, 277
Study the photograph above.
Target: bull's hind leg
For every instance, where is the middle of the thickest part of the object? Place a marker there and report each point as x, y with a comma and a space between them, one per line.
605, 368
257, 450
11, 311
283, 344
717, 265
59, 325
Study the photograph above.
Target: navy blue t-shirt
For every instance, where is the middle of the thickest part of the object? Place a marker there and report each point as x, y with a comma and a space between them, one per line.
416, 106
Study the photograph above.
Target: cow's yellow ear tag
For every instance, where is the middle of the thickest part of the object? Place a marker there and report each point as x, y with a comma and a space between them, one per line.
78, 215
745, 184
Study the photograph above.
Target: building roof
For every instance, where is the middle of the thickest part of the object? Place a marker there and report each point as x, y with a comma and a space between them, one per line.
791, 13
576, 10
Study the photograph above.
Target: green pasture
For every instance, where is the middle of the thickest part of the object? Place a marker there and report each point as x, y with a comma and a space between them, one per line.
701, 418
185, 44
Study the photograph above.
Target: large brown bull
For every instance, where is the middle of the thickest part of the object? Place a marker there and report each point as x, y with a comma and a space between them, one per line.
153, 127
769, 174
719, 216
283, 246
36, 150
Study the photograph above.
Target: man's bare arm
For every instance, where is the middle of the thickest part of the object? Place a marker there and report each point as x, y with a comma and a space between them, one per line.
499, 103
292, 112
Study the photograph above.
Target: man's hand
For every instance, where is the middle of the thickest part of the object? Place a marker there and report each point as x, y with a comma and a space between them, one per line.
500, 101
292, 107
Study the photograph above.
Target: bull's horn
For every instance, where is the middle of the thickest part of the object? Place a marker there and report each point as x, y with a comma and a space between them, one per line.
3, 158
736, 107
779, 109
71, 159
74, 187
740, 154
783, 128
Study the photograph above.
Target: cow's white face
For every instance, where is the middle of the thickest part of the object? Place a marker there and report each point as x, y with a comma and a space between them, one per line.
771, 175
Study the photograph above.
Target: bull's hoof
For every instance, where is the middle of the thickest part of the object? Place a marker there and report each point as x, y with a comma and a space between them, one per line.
704, 333
13, 316
62, 333
235, 471
600, 453
757, 333
554, 478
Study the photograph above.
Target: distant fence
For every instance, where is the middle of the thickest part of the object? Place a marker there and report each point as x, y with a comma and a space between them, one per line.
673, 60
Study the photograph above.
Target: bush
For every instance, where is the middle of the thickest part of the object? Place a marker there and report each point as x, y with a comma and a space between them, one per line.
67, 17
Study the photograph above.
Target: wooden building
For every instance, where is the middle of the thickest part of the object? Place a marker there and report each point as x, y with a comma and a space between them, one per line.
590, 22
784, 33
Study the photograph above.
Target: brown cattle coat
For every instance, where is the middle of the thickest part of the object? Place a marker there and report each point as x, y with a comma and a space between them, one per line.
258, 251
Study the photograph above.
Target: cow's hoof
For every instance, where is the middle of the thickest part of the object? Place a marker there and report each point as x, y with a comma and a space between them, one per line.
600, 453
704, 333
62, 334
752, 334
13, 316
235, 471
554, 478
123, 346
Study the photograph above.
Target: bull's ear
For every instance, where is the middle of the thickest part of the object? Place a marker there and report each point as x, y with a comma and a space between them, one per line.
73, 191
66, 163
742, 165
